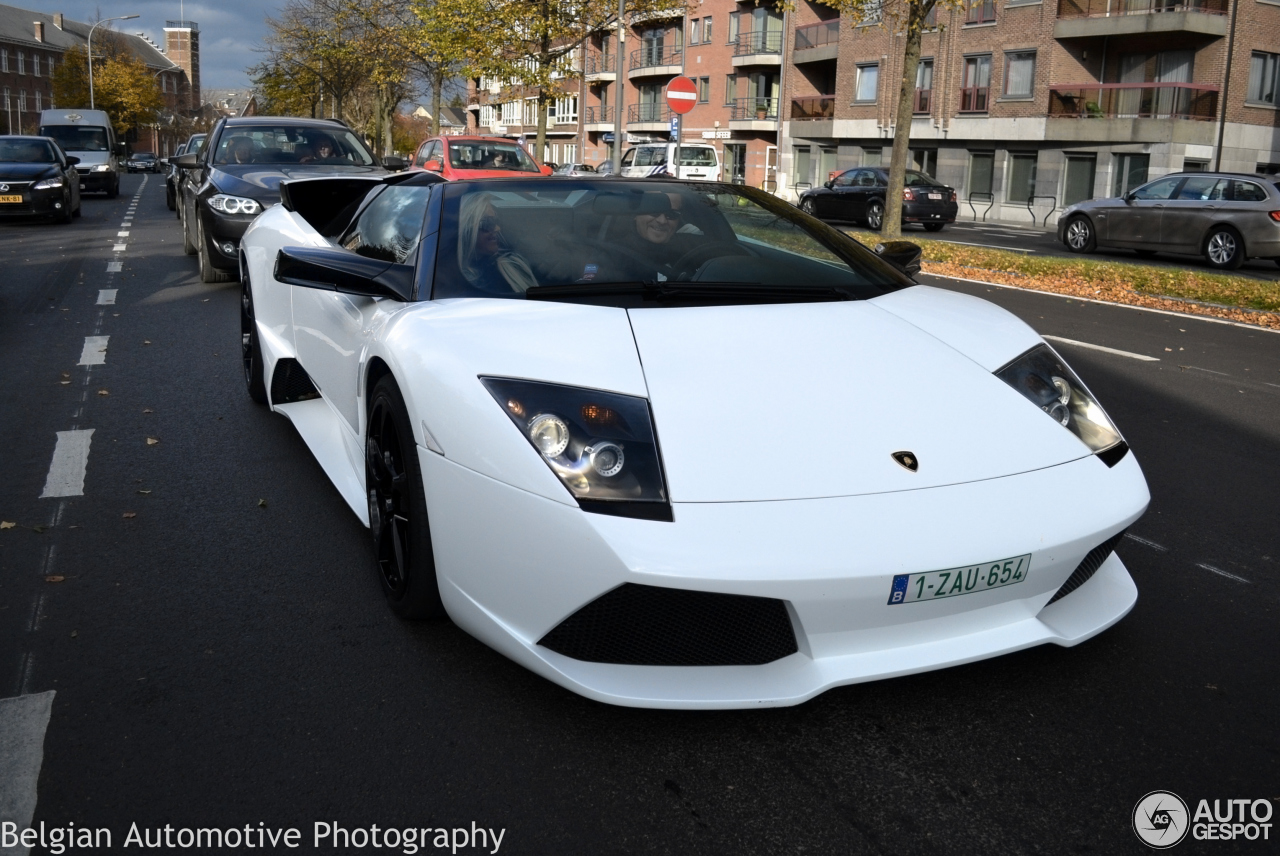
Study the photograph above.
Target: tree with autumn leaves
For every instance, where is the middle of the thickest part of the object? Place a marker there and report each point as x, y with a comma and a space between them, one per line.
123, 86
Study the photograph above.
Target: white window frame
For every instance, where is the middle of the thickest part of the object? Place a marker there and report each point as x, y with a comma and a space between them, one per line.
566, 110
863, 68
22, 63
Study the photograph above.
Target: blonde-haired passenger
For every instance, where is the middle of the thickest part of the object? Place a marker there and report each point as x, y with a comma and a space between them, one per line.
483, 257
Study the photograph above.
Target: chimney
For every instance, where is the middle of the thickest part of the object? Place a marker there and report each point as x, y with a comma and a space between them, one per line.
39, 31
57, 20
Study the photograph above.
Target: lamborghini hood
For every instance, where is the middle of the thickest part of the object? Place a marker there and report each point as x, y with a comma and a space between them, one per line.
810, 400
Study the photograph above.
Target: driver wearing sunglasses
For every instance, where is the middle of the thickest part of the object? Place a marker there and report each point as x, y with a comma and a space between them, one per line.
658, 227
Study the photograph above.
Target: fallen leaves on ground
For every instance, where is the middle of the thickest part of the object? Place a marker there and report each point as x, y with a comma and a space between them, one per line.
147, 410
54, 578
129, 515
151, 441
7, 524
262, 503
103, 392
144, 492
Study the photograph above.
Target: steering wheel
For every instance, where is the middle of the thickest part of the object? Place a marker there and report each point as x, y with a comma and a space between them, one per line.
609, 252
687, 265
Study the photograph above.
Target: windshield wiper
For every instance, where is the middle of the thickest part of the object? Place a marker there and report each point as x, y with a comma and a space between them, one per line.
702, 292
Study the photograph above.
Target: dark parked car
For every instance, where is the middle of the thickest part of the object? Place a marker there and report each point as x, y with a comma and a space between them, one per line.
142, 162
37, 179
173, 175
1225, 217
858, 195
236, 175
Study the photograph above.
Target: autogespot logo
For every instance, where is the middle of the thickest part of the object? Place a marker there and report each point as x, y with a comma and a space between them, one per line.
1160, 819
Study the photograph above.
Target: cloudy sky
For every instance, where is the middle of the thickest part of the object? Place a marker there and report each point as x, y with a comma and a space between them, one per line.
230, 30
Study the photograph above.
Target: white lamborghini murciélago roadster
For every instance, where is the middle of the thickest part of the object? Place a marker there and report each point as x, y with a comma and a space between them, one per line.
679, 444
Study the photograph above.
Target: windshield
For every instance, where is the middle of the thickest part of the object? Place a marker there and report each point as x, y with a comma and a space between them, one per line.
281, 144
490, 154
77, 138
501, 239
26, 151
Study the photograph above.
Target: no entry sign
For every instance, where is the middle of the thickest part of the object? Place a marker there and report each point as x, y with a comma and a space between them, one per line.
681, 95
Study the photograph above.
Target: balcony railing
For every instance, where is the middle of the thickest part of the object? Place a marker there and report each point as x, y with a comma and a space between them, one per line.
762, 109
1134, 101
973, 99
765, 42
598, 115
817, 35
652, 55
600, 63
1109, 8
923, 99
814, 107
648, 113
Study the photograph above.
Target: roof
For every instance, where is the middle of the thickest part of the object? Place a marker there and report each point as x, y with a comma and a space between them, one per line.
236, 121
17, 27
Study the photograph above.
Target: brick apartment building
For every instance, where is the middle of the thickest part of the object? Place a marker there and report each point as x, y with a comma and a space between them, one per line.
32, 45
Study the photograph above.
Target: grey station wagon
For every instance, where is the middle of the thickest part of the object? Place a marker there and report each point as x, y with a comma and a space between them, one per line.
1225, 217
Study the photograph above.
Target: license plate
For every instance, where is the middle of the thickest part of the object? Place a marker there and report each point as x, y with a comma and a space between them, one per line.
11, 198
935, 195
953, 582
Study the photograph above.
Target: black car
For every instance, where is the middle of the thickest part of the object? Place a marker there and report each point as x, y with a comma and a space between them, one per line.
858, 195
37, 179
142, 162
173, 175
236, 175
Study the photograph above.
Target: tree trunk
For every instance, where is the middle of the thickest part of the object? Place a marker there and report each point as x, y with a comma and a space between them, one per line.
541, 144
916, 12
437, 89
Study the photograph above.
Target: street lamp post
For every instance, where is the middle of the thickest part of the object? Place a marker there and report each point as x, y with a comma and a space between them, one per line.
90, 50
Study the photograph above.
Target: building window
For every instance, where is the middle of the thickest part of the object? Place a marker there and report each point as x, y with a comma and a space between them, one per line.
924, 86
1198, 166
1262, 77
804, 167
1078, 184
531, 112
977, 80
22, 101
1022, 178
695, 31
981, 12
868, 80
704, 90
706, 29
730, 89
49, 67
35, 64
981, 170
872, 12
4, 59
925, 160
1019, 74
39, 101
1131, 172
735, 21
487, 116
566, 110
22, 63
872, 157
510, 112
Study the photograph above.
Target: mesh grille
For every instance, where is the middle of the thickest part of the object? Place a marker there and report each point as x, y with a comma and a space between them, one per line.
641, 625
290, 382
1088, 567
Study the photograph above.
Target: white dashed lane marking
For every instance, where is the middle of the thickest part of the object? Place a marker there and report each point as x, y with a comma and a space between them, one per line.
122, 234
94, 352
23, 722
119, 248
107, 296
1128, 354
114, 267
70, 460
1211, 569
1152, 544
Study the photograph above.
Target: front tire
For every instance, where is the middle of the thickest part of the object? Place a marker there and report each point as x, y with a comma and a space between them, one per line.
933, 227
208, 273
114, 190
875, 215
1079, 236
398, 508
1224, 249
250, 347
808, 207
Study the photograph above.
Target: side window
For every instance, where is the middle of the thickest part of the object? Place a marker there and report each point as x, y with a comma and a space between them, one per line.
435, 150
391, 226
1203, 189
844, 179
1247, 191
628, 158
1162, 189
865, 178
421, 157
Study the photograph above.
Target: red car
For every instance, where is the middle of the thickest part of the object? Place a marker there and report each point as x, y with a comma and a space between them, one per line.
475, 157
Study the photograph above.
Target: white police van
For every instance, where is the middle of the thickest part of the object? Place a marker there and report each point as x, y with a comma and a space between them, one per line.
88, 135
698, 161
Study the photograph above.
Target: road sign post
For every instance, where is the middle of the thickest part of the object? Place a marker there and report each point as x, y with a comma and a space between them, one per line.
682, 94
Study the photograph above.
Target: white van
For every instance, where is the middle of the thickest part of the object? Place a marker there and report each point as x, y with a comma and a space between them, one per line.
88, 135
698, 161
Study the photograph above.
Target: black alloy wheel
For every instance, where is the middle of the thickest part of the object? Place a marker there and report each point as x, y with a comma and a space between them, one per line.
398, 509
875, 214
807, 206
250, 347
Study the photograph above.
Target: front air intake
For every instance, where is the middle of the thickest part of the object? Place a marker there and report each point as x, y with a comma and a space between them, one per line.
1088, 567
638, 625
290, 382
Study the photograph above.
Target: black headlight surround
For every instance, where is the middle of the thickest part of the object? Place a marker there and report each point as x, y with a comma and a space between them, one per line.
595, 419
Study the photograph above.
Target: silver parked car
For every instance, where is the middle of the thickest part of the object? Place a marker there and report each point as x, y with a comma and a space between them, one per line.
1225, 217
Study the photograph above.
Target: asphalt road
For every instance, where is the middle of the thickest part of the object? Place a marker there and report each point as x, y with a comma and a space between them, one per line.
221, 654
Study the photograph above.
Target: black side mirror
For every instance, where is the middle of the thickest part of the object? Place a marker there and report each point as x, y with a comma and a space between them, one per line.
72, 160
1130, 196
344, 272
903, 255
829, 183
190, 161
394, 163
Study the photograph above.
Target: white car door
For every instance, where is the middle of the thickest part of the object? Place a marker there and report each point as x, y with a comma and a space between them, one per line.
331, 329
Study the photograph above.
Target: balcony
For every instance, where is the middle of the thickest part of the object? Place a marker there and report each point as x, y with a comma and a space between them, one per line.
1133, 112
598, 118
649, 117
817, 42
813, 107
1086, 19
759, 48
600, 67
652, 60
753, 114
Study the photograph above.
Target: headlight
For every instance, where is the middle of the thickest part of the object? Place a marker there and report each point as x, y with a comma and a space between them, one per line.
601, 445
48, 183
234, 204
102, 167
1045, 380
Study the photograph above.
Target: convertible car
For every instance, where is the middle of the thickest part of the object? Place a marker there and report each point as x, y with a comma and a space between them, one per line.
678, 444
